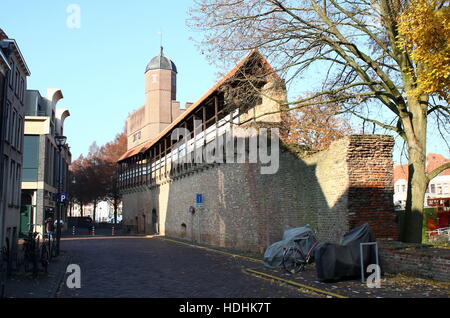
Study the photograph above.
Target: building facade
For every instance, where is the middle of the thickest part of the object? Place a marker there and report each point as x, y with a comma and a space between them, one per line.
11, 137
439, 187
167, 190
45, 168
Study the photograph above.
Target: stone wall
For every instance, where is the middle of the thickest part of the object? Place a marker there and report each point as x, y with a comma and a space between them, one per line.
417, 260
246, 210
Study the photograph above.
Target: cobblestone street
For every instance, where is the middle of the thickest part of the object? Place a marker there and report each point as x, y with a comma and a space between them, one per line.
143, 267
133, 266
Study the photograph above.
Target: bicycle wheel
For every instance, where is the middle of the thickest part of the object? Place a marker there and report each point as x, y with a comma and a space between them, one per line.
53, 248
44, 257
293, 261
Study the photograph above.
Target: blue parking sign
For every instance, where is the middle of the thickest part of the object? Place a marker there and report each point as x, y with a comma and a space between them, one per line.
199, 199
62, 197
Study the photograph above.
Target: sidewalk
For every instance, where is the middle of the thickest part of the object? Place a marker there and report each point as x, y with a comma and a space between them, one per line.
23, 285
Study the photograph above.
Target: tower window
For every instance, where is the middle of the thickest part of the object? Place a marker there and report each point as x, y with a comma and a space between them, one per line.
137, 136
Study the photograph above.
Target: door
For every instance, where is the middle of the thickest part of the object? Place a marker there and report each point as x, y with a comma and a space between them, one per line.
25, 220
155, 223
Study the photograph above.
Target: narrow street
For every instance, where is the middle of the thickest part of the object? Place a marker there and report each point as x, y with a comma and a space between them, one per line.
159, 267
153, 267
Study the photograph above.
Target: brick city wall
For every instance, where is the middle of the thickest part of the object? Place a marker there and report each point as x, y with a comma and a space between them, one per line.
371, 188
246, 210
417, 260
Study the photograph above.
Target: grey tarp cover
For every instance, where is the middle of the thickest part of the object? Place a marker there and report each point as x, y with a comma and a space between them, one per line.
341, 261
273, 256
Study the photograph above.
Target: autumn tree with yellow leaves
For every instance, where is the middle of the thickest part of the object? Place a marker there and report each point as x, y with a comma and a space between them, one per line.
424, 34
382, 61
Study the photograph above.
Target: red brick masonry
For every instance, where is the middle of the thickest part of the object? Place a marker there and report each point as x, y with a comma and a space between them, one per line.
417, 260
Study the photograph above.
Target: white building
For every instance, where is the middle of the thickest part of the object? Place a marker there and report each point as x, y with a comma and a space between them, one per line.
104, 211
439, 187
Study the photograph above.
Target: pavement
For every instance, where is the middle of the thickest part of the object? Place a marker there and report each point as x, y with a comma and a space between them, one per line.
45, 285
140, 267
160, 267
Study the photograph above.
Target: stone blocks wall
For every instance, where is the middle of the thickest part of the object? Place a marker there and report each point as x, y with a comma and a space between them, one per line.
246, 210
417, 260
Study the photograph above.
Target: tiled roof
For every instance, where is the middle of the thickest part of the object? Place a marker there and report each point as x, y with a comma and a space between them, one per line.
143, 147
433, 161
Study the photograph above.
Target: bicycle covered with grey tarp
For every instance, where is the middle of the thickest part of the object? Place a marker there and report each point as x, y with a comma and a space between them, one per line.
294, 251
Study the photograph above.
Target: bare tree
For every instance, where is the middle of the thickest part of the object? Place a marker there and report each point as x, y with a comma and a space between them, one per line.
349, 49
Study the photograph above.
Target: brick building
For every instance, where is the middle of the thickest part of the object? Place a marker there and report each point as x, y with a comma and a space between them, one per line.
235, 204
11, 136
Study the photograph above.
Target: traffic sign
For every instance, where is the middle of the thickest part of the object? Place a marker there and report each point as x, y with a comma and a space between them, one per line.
62, 197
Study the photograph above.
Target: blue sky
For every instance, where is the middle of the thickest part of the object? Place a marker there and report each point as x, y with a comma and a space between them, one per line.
100, 66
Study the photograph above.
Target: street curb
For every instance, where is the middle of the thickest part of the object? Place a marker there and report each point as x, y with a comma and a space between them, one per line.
252, 272
60, 278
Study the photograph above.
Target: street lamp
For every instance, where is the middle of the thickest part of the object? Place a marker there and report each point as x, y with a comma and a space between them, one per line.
60, 143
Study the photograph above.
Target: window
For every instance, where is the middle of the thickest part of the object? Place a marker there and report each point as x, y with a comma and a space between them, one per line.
19, 132
30, 158
445, 189
433, 188
12, 129
439, 189
7, 120
137, 136
18, 181
22, 89
403, 187
5, 172
12, 182
11, 75
16, 83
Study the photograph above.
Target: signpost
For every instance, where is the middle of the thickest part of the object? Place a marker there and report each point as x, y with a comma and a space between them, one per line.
62, 197
199, 206
199, 200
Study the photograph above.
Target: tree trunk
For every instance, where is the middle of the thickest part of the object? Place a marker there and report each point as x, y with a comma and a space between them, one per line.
417, 181
417, 177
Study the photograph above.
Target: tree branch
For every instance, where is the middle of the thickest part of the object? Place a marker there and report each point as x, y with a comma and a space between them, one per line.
437, 171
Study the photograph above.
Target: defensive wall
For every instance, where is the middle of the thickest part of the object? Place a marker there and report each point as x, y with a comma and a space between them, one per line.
333, 191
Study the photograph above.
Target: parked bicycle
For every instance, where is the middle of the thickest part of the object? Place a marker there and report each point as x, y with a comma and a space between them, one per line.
30, 251
51, 245
35, 253
4, 267
295, 260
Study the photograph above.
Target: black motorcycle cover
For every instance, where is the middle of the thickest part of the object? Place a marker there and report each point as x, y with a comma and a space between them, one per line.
343, 261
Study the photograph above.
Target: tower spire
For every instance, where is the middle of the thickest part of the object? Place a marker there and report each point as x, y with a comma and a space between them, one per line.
161, 42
